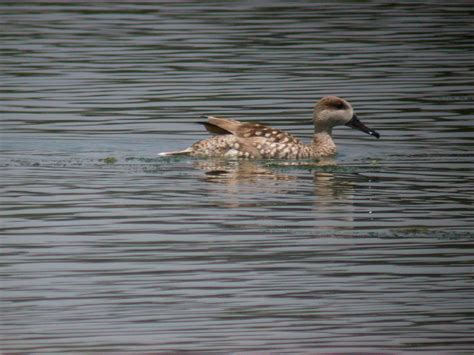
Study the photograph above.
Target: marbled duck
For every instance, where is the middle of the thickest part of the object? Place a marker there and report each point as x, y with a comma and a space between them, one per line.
255, 141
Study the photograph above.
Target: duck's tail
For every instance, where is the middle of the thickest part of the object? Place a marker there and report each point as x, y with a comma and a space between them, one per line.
186, 151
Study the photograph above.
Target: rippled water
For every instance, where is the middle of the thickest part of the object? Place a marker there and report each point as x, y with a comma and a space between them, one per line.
105, 246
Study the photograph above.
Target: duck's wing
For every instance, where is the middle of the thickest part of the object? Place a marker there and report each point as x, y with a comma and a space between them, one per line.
219, 125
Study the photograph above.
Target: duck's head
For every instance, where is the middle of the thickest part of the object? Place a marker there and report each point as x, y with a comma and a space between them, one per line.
333, 111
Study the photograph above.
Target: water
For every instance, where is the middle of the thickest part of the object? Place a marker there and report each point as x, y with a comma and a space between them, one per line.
105, 246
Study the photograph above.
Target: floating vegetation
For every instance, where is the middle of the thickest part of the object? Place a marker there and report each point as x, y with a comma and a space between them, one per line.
412, 230
109, 160
423, 232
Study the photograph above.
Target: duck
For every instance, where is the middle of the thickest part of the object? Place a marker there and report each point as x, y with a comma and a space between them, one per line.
251, 140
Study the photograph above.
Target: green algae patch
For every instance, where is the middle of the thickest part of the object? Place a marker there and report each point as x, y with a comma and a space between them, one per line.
109, 160
413, 230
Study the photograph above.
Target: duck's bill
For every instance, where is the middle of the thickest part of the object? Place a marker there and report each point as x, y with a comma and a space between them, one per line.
355, 123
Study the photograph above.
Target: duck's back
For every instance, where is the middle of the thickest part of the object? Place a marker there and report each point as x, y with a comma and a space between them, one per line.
246, 139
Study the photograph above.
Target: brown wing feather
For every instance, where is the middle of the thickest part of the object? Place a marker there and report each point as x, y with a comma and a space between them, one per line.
248, 129
224, 123
211, 128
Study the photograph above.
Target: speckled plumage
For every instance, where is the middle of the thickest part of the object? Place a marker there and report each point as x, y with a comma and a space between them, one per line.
256, 141
251, 140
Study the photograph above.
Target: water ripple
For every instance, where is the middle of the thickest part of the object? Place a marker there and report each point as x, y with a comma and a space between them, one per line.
105, 247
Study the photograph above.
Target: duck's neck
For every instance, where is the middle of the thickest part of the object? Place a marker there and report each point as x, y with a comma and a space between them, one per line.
322, 141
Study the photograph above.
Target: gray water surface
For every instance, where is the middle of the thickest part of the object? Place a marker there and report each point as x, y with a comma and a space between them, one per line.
106, 247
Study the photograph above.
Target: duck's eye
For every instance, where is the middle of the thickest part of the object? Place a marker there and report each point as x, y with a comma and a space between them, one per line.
340, 105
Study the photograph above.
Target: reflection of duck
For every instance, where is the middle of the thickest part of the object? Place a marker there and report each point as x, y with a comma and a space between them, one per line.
238, 183
333, 207
252, 140
232, 172
329, 188
245, 183
314, 194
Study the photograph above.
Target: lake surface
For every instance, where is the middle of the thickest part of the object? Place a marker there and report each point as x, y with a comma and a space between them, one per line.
106, 247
